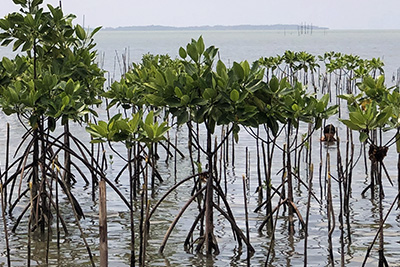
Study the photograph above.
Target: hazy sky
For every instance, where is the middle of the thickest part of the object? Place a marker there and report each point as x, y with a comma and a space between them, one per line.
335, 14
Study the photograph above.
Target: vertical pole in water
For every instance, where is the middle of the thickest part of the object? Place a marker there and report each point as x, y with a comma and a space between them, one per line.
247, 161
246, 217
233, 150
103, 224
311, 173
398, 178
259, 187
3, 207
7, 163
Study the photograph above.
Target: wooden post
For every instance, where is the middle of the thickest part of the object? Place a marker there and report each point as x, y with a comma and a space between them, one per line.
103, 224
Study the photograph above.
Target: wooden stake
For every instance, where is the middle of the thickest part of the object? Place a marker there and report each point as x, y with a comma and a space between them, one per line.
103, 224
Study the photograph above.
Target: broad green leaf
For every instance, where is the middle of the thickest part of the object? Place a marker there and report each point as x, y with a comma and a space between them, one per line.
363, 137
358, 118
160, 79
221, 68
69, 87
134, 122
29, 20
122, 125
182, 117
369, 81
246, 68
51, 122
238, 70
380, 81
8, 65
20, 2
193, 53
185, 99
178, 92
92, 33
162, 129
149, 130
200, 45
209, 93
4, 24
351, 125
56, 12
182, 52
170, 77
295, 107
17, 44
27, 46
36, 2
234, 96
65, 101
149, 118
80, 32
274, 84
384, 116
6, 42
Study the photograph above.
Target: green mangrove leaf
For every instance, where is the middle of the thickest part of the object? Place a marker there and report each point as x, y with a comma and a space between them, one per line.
56, 12
149, 118
185, 99
8, 65
209, 93
234, 96
51, 122
92, 33
29, 20
182, 53
192, 51
6, 42
200, 45
160, 79
274, 84
238, 70
20, 2
221, 68
178, 92
384, 116
369, 81
351, 125
358, 118
4, 24
363, 137
134, 122
246, 68
37, 2
80, 32
149, 130
182, 117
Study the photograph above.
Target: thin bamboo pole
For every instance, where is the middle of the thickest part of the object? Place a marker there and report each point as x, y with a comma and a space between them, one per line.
246, 214
103, 224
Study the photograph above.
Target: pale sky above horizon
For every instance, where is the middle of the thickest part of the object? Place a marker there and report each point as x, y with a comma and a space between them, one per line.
337, 14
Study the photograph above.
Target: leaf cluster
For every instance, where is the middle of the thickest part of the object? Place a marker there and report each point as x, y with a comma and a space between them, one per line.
54, 74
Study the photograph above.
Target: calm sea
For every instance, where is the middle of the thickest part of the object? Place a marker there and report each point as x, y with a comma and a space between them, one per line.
251, 45
286, 250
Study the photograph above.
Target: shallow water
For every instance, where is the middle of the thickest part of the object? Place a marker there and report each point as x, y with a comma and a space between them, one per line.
286, 250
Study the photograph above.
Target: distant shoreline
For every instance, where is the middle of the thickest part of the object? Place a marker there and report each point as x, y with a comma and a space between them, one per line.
289, 27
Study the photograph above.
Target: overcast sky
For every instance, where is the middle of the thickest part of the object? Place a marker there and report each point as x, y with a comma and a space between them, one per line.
334, 14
